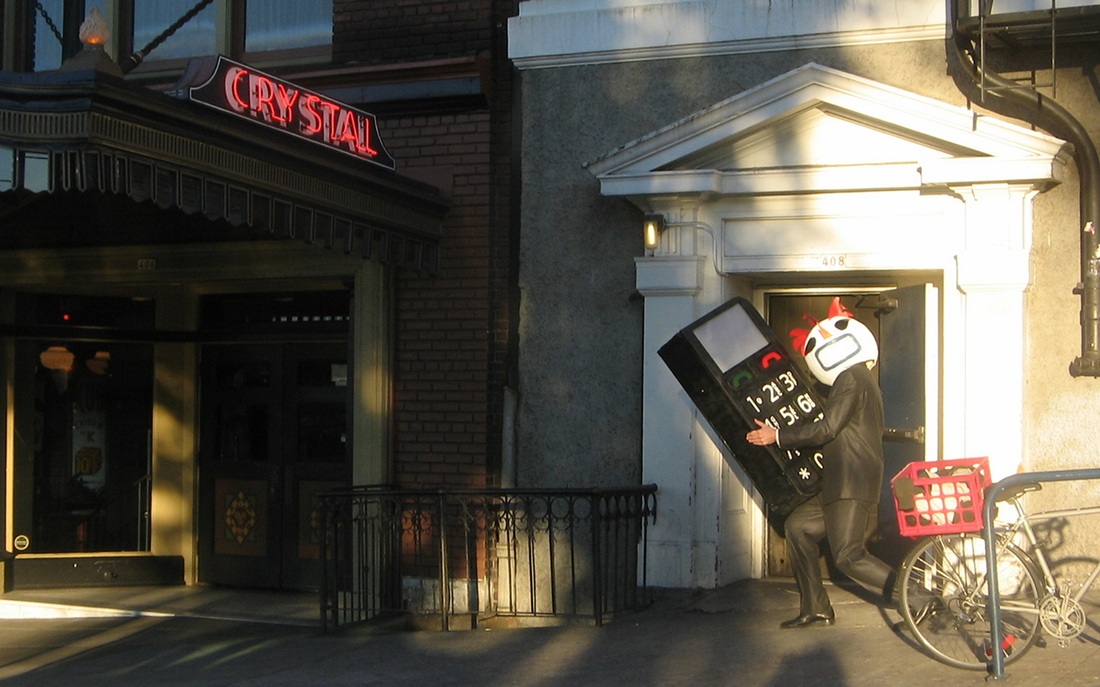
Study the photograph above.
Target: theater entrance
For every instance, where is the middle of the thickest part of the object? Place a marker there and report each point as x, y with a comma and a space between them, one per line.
274, 432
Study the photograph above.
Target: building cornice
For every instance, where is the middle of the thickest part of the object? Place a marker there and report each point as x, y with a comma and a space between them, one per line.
561, 33
738, 47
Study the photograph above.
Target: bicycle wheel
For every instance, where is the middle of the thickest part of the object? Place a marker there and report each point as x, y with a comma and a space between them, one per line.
942, 592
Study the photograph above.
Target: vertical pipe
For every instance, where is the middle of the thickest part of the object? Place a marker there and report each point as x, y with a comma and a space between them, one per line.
1051, 116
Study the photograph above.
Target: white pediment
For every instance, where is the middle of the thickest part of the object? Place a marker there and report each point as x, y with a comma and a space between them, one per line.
816, 128
812, 137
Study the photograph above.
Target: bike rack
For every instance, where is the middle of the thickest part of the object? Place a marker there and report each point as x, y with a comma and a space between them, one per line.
997, 666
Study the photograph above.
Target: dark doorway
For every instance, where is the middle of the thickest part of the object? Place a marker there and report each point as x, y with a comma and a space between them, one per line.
274, 432
897, 317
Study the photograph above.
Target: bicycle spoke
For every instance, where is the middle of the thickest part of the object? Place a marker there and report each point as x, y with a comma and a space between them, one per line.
943, 594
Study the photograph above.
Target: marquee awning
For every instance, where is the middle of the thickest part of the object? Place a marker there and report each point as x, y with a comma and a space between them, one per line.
78, 142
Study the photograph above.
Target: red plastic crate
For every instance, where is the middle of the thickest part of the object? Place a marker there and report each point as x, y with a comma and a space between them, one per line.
941, 497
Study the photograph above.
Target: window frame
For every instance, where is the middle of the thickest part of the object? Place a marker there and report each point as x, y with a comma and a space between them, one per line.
229, 41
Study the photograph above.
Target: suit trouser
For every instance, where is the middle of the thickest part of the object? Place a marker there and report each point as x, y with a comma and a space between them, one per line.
846, 524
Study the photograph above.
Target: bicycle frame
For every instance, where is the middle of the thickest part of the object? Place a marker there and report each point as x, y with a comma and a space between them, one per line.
1035, 549
989, 533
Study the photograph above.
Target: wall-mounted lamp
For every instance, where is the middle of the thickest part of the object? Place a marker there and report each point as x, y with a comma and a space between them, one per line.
98, 364
56, 358
653, 226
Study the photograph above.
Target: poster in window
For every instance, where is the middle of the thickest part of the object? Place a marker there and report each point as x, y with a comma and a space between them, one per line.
90, 447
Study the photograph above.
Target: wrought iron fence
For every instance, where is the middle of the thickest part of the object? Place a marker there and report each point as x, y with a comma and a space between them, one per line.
463, 557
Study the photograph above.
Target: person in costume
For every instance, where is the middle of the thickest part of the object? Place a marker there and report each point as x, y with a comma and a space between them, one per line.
840, 352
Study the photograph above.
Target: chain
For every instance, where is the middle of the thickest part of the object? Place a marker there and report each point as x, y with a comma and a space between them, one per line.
49, 21
136, 58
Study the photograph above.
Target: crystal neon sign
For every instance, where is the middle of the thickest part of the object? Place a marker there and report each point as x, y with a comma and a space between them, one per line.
250, 93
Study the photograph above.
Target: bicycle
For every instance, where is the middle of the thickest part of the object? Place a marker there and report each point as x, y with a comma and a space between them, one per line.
942, 589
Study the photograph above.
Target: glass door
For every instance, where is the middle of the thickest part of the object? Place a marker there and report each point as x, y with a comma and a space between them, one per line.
274, 435
82, 471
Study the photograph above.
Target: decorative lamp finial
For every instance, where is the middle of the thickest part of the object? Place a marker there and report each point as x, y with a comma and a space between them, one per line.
94, 33
94, 30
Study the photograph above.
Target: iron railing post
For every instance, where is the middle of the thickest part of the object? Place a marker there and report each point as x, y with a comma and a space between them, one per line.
444, 585
377, 569
649, 512
597, 562
323, 587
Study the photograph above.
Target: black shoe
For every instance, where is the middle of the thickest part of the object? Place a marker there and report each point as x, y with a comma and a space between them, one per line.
808, 620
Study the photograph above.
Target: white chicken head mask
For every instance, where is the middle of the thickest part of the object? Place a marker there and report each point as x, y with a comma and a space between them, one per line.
835, 344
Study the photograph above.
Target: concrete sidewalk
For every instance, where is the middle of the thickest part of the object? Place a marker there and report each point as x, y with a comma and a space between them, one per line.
728, 636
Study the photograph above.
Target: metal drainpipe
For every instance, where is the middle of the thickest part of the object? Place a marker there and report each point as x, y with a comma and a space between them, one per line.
1065, 125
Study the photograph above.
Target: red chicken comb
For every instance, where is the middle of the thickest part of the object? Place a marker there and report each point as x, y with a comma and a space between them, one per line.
836, 309
799, 335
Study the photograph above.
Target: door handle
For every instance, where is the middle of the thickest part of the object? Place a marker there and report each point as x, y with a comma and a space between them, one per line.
906, 436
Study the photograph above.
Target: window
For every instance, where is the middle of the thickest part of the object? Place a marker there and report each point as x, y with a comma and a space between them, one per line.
7, 168
45, 21
287, 24
35, 171
24, 169
194, 38
254, 27
47, 37
84, 475
252, 30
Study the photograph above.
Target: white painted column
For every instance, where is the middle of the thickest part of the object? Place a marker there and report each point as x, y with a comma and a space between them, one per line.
993, 274
669, 285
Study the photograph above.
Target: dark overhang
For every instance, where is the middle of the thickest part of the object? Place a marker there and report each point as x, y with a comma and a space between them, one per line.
102, 139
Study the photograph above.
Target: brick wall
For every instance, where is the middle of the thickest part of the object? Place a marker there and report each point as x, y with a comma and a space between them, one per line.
376, 31
453, 331
441, 356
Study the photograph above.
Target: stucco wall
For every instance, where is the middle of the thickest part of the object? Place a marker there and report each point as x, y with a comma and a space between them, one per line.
579, 420
1062, 413
580, 346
